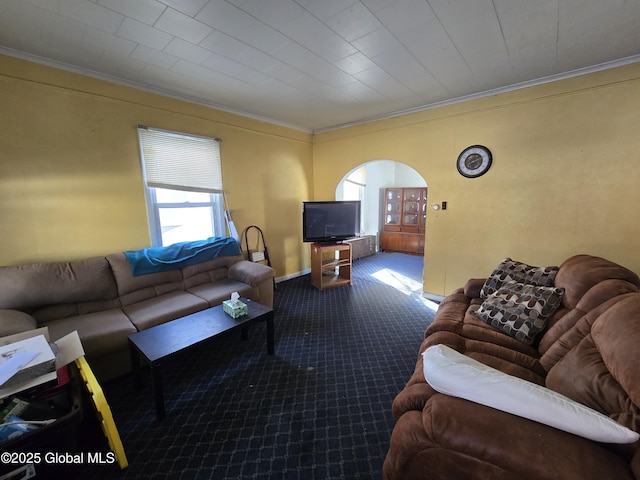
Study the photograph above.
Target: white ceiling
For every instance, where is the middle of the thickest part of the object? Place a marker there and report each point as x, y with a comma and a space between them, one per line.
320, 64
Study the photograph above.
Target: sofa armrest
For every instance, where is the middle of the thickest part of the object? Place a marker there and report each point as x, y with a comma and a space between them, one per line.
251, 273
454, 438
15, 321
473, 286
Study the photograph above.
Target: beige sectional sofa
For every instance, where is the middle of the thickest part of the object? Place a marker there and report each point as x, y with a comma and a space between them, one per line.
101, 299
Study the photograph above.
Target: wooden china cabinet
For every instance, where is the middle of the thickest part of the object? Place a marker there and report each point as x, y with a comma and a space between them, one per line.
405, 216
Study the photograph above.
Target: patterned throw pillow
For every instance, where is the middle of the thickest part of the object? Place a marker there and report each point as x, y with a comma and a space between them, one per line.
513, 271
520, 310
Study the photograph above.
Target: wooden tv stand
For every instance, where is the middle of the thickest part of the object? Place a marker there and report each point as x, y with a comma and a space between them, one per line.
329, 269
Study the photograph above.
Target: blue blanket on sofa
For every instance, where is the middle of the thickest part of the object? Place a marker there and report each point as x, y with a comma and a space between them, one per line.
178, 255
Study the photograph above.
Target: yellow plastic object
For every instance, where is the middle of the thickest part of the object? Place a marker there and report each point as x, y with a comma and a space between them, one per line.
103, 411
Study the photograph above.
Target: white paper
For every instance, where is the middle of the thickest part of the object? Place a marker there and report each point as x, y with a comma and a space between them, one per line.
10, 367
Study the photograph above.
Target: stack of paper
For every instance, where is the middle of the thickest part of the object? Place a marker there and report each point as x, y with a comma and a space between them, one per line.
24, 360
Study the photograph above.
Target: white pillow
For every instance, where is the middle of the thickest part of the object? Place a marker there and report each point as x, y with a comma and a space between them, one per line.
452, 373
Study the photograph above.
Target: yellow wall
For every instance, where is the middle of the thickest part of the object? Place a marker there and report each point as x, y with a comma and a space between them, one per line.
565, 177
70, 174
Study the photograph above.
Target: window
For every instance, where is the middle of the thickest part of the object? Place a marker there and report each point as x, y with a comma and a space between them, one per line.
183, 185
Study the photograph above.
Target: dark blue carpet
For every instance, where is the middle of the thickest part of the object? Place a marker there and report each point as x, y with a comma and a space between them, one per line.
318, 409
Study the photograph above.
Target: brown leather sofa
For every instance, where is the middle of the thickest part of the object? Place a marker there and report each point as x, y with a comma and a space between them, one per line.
101, 299
589, 352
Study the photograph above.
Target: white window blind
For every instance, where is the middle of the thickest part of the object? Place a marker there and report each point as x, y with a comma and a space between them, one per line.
180, 162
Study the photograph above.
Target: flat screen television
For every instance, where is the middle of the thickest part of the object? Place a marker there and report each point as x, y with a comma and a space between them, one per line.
330, 221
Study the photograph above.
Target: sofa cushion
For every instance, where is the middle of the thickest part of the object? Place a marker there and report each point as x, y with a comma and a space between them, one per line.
602, 370
14, 321
133, 289
452, 373
581, 272
595, 300
54, 312
29, 287
513, 271
161, 309
579, 329
520, 310
616, 334
214, 293
100, 332
217, 265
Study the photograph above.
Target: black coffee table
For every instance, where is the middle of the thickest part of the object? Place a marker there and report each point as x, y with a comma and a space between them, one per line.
162, 341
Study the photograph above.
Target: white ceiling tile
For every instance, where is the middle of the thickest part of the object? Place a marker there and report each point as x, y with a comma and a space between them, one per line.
146, 11
376, 43
31, 29
91, 14
254, 58
355, 63
275, 13
585, 31
274, 87
51, 5
406, 14
183, 26
158, 77
182, 49
234, 22
300, 58
314, 88
376, 5
188, 7
121, 66
284, 73
432, 47
81, 54
528, 25
315, 36
402, 66
483, 49
531, 34
383, 83
153, 57
222, 64
222, 43
252, 77
241, 52
144, 34
107, 41
325, 9
354, 22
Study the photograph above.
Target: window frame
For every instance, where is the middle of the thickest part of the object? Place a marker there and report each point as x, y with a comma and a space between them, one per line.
154, 207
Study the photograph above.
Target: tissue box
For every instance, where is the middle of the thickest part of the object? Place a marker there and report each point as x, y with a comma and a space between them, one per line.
234, 310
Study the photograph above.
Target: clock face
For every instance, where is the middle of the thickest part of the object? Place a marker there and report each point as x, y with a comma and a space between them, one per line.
474, 161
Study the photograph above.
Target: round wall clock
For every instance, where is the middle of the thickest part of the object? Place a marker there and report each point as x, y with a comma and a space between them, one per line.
474, 161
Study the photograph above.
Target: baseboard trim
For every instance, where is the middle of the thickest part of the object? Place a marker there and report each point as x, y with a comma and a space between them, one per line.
433, 297
293, 275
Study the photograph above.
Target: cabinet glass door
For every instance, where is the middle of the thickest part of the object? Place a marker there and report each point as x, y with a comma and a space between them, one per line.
412, 194
411, 219
394, 194
392, 219
393, 207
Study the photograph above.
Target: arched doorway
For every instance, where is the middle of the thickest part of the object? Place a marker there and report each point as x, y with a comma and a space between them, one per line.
367, 182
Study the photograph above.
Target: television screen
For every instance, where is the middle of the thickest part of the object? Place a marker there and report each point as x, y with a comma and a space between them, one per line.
330, 221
